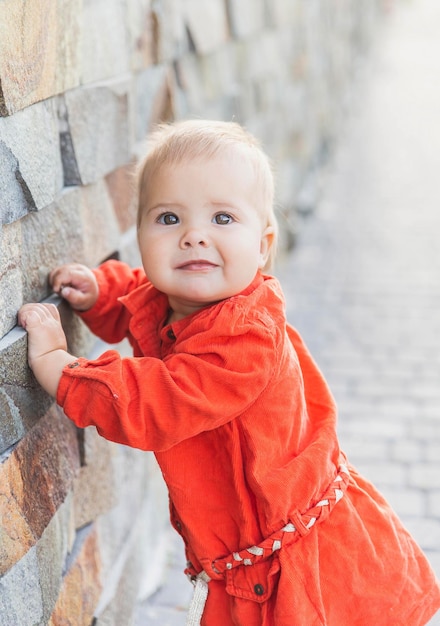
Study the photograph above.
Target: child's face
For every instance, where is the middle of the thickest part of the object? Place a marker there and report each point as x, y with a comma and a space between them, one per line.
201, 234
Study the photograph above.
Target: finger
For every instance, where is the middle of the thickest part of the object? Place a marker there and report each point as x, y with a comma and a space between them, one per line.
52, 310
30, 315
60, 276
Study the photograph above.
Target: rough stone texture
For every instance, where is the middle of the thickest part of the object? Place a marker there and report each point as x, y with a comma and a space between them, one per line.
11, 292
30, 141
103, 57
246, 17
120, 184
29, 590
81, 585
100, 234
152, 89
16, 197
96, 461
59, 244
206, 24
142, 24
38, 50
22, 402
48, 458
92, 111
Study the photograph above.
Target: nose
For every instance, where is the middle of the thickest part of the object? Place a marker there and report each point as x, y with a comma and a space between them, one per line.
194, 237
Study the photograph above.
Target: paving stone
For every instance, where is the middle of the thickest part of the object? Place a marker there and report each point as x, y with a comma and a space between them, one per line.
426, 531
405, 501
407, 451
425, 475
434, 503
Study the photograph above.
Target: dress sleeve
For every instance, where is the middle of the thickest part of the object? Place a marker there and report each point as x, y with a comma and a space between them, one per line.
154, 404
108, 318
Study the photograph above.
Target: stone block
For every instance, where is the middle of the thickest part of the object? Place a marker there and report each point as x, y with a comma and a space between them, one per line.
127, 575
136, 477
152, 99
121, 189
22, 401
29, 589
207, 24
190, 78
282, 13
52, 551
16, 197
94, 484
143, 34
80, 227
99, 128
129, 249
81, 585
39, 50
135, 569
247, 17
47, 457
104, 49
263, 57
31, 169
100, 230
11, 290
218, 72
62, 242
20, 593
169, 30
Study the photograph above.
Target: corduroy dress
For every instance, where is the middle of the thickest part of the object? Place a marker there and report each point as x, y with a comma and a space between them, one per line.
243, 427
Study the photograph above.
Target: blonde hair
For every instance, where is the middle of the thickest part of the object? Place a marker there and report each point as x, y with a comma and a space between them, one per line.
203, 139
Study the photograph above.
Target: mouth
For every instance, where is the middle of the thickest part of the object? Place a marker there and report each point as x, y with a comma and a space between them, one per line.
197, 265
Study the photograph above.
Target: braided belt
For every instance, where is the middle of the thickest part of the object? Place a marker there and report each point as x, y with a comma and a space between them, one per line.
250, 556
301, 526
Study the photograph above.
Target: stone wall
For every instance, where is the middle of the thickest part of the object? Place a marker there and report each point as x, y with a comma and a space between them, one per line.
84, 521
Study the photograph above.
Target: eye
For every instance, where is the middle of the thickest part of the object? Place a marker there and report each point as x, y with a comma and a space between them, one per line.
223, 218
168, 219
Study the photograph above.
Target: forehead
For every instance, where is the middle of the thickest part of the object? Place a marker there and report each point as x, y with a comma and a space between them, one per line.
231, 162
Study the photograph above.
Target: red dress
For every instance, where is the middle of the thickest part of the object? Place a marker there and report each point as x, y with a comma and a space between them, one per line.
243, 427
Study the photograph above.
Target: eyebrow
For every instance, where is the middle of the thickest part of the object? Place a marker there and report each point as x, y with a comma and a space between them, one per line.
161, 206
174, 206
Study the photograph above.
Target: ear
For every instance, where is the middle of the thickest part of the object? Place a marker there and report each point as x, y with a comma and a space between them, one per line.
267, 239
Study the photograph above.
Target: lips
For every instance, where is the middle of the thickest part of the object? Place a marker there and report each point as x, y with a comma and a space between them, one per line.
197, 265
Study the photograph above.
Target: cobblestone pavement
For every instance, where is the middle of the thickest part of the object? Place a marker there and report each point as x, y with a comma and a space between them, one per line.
363, 285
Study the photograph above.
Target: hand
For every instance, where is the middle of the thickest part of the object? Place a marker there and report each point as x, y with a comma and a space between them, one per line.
75, 283
47, 345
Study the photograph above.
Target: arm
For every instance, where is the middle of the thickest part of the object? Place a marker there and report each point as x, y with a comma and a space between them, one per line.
47, 346
152, 404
